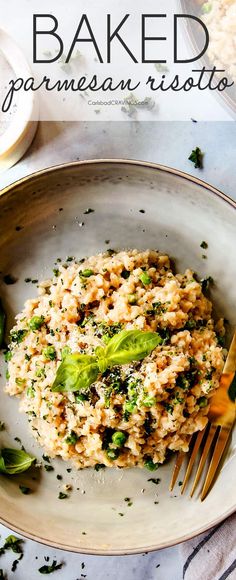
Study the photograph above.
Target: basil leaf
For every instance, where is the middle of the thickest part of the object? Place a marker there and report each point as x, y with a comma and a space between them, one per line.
77, 371
130, 345
14, 461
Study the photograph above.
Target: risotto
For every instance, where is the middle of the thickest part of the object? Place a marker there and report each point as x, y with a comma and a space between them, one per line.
128, 414
220, 18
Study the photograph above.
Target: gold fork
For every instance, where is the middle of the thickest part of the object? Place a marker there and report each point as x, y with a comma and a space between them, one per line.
221, 420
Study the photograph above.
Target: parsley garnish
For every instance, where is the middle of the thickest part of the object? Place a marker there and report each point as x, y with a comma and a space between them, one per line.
48, 569
197, 158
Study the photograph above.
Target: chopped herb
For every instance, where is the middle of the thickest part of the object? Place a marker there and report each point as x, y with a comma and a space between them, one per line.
36, 322
15, 563
204, 245
72, 438
48, 467
145, 279
206, 282
46, 458
18, 335
142, 211
27, 280
125, 274
69, 470
62, 495
56, 272
12, 543
207, 7
49, 352
197, 158
48, 569
120, 514
155, 480
59, 477
9, 279
112, 453
30, 392
25, 490
20, 382
8, 355
180, 483
202, 402
35, 281
99, 466
89, 210
2, 426
160, 67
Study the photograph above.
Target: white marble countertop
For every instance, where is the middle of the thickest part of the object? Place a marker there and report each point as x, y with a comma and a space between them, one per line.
169, 144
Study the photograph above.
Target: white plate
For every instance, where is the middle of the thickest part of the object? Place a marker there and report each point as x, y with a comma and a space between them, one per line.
180, 212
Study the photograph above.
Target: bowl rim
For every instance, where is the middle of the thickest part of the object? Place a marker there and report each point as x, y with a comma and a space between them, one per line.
212, 190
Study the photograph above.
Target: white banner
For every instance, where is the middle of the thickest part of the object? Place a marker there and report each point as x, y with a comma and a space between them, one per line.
107, 60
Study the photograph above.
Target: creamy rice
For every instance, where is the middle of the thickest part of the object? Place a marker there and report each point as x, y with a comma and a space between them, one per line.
221, 23
159, 402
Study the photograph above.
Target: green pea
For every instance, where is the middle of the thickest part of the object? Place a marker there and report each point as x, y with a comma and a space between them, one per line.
36, 322
145, 279
150, 465
49, 352
119, 438
86, 273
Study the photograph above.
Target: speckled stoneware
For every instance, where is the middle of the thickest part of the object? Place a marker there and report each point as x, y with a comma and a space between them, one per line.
42, 218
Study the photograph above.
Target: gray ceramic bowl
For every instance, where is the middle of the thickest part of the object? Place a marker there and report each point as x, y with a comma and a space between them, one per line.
41, 219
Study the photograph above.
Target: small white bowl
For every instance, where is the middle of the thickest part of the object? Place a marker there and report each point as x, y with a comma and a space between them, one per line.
22, 119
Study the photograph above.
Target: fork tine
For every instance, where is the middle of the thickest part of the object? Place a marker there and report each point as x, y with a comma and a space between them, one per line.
177, 467
192, 458
204, 455
216, 457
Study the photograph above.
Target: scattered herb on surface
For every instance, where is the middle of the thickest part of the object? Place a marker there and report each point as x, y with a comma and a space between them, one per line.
197, 158
204, 245
150, 465
2, 426
155, 480
99, 466
15, 563
89, 210
48, 467
9, 279
24, 489
49, 568
12, 543
62, 495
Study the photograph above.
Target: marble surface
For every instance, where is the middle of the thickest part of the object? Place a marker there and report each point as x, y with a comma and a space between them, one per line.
169, 144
